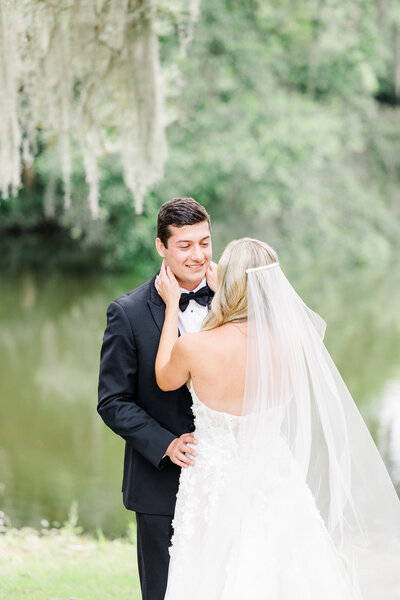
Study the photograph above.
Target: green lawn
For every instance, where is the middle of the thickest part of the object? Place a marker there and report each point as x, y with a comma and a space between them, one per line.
63, 565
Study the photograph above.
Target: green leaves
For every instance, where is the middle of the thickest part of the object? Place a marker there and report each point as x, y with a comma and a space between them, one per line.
274, 127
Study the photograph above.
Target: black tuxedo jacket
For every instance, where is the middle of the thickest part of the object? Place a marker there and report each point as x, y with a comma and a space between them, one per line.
134, 407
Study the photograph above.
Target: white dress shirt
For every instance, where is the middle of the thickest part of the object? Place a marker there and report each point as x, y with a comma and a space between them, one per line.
191, 319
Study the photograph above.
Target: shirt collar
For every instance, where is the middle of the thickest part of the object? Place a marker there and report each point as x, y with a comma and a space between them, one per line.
201, 284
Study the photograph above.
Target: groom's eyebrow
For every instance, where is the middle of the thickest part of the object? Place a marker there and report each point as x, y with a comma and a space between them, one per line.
207, 237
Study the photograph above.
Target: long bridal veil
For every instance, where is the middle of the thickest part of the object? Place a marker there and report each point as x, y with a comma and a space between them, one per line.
295, 393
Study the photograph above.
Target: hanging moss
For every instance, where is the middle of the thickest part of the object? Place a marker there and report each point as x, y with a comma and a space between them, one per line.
85, 73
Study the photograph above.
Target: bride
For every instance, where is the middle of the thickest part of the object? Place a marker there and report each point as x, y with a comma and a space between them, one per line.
287, 497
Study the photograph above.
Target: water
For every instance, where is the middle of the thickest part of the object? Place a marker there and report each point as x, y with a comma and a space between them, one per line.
55, 449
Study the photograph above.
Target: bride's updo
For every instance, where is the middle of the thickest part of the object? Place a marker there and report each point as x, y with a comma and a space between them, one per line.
230, 299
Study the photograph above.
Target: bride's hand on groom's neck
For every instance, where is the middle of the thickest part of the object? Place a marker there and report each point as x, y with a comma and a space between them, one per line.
211, 276
167, 286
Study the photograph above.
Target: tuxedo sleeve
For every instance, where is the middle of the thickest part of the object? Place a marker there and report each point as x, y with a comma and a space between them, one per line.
117, 387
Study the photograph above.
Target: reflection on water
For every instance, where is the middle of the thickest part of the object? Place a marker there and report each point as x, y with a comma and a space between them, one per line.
54, 448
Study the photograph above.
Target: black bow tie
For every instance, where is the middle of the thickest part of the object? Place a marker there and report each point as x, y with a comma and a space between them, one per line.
202, 296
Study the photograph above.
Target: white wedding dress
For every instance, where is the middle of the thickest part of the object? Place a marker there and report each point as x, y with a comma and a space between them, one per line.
239, 539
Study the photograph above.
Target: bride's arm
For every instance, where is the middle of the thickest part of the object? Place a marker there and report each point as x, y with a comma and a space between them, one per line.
172, 357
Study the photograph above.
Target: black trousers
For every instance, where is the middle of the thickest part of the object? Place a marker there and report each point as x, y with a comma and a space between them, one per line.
154, 534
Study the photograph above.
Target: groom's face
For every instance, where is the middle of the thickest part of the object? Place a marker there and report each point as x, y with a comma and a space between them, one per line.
188, 253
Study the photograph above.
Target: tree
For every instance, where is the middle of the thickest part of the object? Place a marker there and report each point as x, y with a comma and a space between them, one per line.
86, 74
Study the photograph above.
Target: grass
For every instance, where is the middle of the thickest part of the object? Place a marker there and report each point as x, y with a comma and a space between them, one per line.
63, 564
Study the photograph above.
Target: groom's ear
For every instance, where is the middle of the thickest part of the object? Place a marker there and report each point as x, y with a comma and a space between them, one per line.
160, 248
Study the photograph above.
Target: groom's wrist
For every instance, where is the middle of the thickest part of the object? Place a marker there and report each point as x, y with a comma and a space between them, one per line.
168, 448
163, 445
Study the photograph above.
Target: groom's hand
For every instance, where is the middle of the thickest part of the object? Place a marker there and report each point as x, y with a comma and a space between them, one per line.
178, 449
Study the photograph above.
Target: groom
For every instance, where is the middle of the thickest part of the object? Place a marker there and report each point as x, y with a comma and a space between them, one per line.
157, 426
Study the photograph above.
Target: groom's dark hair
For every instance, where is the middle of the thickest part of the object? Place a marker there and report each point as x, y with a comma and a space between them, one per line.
179, 212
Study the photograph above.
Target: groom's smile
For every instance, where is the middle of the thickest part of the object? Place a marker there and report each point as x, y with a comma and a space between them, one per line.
196, 267
188, 253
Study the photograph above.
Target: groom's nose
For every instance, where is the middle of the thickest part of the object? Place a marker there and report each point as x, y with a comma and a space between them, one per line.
197, 253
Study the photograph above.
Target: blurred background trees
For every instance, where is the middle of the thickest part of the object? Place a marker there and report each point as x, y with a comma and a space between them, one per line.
86, 73
283, 121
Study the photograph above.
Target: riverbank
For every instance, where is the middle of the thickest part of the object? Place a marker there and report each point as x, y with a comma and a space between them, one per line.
64, 564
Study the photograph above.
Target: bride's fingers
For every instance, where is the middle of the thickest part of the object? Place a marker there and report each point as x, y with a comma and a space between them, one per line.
162, 269
166, 272
162, 276
170, 274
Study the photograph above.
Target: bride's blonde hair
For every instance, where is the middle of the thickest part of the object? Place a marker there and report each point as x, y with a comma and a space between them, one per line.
230, 300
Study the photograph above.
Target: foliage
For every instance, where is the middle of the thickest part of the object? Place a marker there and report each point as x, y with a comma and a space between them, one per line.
285, 127
87, 72
296, 167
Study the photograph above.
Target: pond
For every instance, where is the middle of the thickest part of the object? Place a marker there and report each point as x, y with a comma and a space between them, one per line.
55, 449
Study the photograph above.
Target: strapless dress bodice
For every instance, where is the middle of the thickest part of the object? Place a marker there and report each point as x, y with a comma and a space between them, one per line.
213, 426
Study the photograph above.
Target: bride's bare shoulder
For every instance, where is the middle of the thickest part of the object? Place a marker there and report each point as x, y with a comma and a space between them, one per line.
207, 336
189, 340
191, 337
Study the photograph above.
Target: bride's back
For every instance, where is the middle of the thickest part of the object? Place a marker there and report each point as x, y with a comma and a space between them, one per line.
218, 366
217, 361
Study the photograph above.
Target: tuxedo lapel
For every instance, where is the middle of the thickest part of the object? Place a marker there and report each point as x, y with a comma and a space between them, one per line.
158, 312
156, 306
